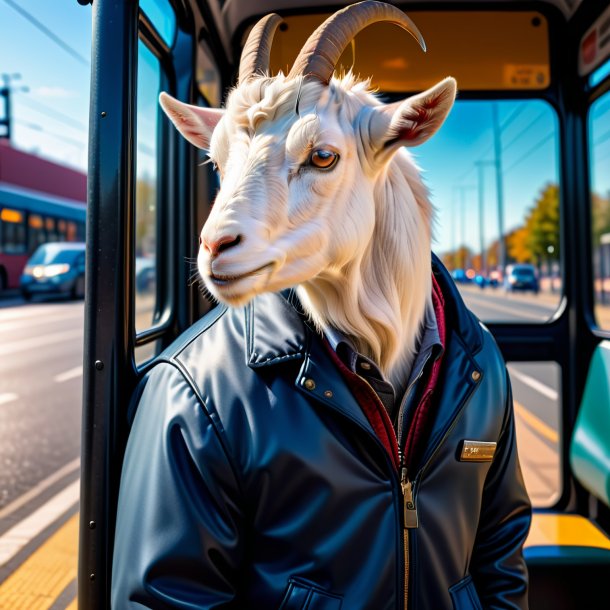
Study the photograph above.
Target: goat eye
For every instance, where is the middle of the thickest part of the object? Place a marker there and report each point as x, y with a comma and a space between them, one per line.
323, 159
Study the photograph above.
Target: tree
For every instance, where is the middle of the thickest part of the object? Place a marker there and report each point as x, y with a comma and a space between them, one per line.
518, 245
542, 225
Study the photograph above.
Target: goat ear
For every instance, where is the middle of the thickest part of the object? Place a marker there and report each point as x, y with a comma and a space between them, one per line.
195, 123
412, 121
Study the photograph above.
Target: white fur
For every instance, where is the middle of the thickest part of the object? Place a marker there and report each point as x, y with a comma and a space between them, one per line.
356, 239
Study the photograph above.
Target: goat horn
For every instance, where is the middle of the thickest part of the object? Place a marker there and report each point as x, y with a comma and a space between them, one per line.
322, 51
255, 55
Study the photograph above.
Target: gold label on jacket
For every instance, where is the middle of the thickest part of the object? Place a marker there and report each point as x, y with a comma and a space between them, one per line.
477, 451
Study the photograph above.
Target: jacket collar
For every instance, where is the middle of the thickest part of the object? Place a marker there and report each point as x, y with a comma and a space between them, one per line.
277, 331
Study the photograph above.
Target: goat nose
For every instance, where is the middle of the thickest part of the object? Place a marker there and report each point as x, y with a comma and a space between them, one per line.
215, 247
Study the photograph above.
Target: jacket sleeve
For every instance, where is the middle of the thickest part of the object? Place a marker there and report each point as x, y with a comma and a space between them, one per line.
498, 567
178, 541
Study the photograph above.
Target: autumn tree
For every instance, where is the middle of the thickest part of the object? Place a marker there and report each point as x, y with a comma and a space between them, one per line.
542, 225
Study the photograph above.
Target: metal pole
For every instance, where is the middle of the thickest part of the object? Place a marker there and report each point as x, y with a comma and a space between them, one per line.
481, 185
499, 186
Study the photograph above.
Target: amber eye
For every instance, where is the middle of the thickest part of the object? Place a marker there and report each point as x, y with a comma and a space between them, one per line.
323, 159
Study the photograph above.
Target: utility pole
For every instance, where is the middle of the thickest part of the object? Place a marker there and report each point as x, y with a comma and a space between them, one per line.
5, 92
499, 187
462, 190
481, 187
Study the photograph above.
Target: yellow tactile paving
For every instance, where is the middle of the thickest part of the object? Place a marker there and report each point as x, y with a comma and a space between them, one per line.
73, 605
37, 583
565, 530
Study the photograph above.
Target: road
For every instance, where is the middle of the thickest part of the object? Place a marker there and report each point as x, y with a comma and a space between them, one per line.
40, 414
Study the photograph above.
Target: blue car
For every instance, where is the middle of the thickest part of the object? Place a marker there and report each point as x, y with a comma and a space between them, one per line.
521, 277
56, 268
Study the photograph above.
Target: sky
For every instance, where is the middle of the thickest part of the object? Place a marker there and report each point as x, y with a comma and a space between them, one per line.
51, 120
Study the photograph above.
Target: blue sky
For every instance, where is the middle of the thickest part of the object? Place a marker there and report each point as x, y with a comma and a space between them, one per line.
52, 118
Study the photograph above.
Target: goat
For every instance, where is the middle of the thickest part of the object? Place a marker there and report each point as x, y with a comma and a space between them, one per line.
317, 191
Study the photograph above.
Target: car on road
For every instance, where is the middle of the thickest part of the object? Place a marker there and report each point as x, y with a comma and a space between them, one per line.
521, 277
56, 268
146, 274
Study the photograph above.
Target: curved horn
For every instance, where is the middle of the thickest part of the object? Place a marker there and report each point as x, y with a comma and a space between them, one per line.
322, 51
255, 54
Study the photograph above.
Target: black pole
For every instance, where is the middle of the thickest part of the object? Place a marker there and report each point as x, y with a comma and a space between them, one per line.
108, 368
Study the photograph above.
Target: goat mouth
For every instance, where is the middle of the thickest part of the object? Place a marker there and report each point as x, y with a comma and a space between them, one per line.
224, 280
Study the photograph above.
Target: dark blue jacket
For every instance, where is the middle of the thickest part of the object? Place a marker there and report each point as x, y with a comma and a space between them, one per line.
244, 487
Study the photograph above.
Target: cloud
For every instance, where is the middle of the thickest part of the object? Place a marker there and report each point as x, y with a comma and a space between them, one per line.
54, 92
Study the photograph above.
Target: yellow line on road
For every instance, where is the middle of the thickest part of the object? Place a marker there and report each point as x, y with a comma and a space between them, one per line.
536, 423
37, 583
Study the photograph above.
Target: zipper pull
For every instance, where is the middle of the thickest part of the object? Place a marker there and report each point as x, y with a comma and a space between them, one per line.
409, 510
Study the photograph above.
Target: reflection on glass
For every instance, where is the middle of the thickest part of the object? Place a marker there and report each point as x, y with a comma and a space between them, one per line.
162, 16
536, 394
493, 172
149, 75
599, 147
207, 75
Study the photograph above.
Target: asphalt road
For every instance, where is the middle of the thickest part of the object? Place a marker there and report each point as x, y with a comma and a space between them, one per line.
40, 392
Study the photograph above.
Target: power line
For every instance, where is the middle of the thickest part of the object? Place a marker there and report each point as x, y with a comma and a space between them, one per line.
531, 150
602, 138
524, 130
47, 32
515, 113
53, 113
58, 136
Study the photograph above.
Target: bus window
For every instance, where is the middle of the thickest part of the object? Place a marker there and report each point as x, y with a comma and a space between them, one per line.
12, 232
494, 167
162, 17
149, 75
208, 76
36, 233
599, 147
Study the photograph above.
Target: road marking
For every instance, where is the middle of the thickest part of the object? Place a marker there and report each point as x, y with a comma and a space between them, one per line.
7, 397
77, 371
513, 311
64, 471
536, 423
24, 345
44, 575
36, 320
540, 387
13, 540
32, 311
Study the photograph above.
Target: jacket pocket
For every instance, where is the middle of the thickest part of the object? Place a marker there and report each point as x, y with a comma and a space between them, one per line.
304, 595
464, 595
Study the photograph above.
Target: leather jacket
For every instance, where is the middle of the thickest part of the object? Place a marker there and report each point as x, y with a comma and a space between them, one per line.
252, 478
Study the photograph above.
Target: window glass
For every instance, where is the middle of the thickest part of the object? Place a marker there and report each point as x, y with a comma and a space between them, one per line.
599, 154
208, 76
12, 232
149, 76
493, 173
536, 396
162, 17
36, 232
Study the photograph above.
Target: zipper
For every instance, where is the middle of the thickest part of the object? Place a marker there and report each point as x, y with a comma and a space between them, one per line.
403, 403
409, 509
